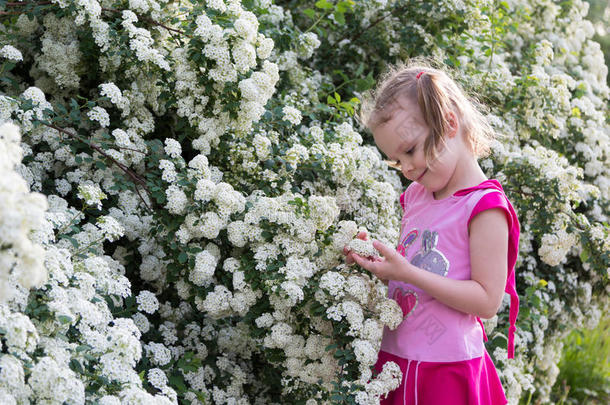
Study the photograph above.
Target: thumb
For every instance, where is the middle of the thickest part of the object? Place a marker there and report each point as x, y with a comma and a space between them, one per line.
383, 249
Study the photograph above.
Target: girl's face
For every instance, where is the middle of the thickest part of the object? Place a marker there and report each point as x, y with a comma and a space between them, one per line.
402, 140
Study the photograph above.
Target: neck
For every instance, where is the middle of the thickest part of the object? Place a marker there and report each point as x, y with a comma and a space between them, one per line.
468, 173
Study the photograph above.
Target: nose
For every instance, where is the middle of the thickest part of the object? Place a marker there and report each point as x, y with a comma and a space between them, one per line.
406, 166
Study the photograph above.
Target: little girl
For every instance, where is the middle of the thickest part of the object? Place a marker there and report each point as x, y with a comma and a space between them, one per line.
458, 245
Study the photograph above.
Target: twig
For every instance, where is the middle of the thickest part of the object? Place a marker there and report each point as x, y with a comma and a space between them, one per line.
374, 23
135, 178
23, 3
42, 3
150, 20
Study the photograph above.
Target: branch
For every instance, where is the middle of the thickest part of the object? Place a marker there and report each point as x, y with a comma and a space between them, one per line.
111, 10
135, 178
371, 25
150, 20
23, 3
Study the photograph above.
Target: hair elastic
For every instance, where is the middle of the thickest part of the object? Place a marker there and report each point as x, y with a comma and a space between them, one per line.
419, 74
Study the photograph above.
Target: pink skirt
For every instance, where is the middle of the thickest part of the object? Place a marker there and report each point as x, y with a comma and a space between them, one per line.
468, 382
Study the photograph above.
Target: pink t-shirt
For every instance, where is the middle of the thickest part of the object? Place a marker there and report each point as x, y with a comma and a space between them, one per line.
434, 237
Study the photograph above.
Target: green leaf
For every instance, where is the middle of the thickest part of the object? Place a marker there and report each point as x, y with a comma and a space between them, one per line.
324, 5
310, 12
339, 17
81, 348
344, 6
182, 257
64, 319
76, 366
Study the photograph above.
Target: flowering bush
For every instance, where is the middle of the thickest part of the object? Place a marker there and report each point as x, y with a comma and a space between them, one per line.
203, 172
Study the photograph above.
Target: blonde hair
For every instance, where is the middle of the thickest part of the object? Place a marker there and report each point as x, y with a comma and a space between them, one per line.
436, 94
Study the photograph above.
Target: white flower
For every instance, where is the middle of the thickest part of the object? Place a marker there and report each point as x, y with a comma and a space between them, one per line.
390, 313
365, 352
110, 227
158, 353
55, 383
333, 282
293, 291
11, 53
92, 194
205, 190
324, 211
307, 43
100, 115
169, 171
265, 46
205, 265
111, 91
292, 115
173, 148
217, 5
147, 302
176, 200
157, 378
363, 248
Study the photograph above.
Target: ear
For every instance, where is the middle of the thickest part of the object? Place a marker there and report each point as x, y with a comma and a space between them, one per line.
453, 124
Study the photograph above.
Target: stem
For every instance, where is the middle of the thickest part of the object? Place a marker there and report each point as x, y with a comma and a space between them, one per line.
341, 85
23, 3
150, 20
374, 23
88, 246
316, 22
135, 178
69, 223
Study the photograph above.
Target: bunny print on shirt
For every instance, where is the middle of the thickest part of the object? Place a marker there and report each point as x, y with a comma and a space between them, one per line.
429, 258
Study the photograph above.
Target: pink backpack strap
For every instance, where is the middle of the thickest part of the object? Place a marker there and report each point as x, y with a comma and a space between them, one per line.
499, 200
402, 200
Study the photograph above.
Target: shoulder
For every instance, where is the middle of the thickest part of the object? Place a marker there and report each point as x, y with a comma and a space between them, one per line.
492, 199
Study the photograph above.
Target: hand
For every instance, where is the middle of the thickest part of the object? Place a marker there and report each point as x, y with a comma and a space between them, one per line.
393, 266
349, 255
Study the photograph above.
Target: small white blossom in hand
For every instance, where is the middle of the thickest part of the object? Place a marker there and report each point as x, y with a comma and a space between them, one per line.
363, 248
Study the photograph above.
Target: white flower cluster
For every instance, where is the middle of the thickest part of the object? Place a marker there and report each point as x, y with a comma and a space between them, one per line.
91, 194
111, 91
140, 41
21, 260
308, 42
292, 115
364, 248
388, 380
554, 247
11, 53
147, 302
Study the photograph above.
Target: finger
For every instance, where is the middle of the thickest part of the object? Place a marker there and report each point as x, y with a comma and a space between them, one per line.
349, 259
362, 262
362, 235
383, 249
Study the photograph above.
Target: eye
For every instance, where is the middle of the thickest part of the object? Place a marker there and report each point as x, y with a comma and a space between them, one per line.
410, 151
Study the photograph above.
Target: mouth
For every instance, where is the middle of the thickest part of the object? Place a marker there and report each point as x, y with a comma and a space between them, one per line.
421, 175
